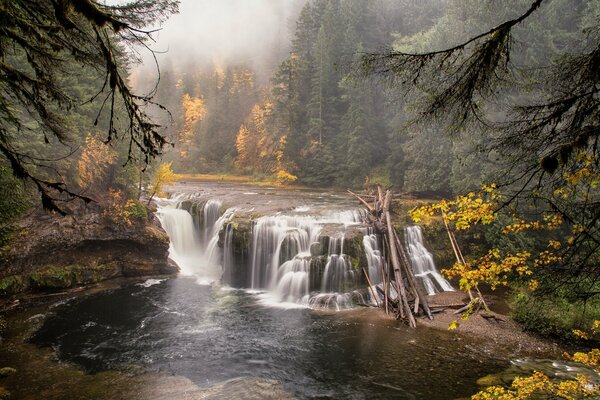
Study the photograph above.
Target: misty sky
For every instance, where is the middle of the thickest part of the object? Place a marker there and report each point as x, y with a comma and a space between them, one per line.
225, 31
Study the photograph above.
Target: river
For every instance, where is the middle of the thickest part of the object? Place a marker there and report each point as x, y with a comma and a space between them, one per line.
212, 333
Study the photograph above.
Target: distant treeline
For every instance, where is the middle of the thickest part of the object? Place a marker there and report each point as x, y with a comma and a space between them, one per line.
320, 122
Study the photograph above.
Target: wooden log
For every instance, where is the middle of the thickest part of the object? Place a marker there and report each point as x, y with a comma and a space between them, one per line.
371, 288
454, 249
402, 300
369, 207
410, 273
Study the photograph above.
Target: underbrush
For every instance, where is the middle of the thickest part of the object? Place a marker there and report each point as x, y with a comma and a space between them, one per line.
554, 314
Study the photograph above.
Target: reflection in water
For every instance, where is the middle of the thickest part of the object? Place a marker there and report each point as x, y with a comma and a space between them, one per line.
210, 335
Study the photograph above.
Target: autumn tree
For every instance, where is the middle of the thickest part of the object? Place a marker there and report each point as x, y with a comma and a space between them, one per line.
94, 164
254, 142
540, 117
163, 177
194, 111
39, 39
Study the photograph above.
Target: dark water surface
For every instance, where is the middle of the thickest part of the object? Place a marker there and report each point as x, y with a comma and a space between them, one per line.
210, 334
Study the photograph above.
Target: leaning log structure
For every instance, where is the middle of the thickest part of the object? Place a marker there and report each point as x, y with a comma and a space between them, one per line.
408, 301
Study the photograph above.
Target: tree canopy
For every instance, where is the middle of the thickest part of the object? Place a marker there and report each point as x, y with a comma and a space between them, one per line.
534, 94
42, 42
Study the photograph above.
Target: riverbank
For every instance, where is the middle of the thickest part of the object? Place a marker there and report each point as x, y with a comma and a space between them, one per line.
496, 328
52, 253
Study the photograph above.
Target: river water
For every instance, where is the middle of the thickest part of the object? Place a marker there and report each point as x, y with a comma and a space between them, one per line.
211, 333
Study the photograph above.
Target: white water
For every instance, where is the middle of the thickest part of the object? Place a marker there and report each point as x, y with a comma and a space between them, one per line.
422, 262
374, 258
280, 265
280, 260
195, 254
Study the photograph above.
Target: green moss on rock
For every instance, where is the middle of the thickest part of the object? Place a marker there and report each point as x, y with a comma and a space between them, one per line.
55, 277
11, 285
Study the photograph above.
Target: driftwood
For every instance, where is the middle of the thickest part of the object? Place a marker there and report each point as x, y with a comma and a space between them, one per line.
375, 296
411, 300
461, 260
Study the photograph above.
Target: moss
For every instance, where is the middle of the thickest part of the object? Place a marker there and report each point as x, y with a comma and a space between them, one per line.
57, 277
355, 263
7, 371
11, 285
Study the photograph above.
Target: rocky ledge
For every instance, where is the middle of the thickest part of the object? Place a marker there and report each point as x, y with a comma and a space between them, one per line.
54, 253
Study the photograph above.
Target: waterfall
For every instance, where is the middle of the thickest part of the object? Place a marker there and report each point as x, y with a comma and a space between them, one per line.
281, 260
422, 262
338, 270
286, 262
195, 250
276, 240
184, 245
228, 257
211, 215
374, 258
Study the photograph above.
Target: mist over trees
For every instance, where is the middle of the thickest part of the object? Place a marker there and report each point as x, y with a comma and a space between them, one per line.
310, 118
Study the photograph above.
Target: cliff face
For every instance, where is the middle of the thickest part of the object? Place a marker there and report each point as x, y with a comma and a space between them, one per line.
53, 252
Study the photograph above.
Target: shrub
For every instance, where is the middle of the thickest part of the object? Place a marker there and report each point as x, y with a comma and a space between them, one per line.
555, 314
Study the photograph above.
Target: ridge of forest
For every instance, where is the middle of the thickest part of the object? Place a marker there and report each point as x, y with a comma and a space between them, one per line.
315, 121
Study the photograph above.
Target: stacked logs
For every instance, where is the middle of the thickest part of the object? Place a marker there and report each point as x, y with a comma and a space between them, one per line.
397, 273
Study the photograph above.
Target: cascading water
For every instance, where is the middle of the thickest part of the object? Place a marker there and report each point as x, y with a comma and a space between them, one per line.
374, 257
285, 258
422, 262
280, 251
281, 260
338, 270
195, 253
184, 246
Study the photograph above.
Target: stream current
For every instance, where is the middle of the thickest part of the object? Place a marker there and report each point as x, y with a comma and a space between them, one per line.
211, 333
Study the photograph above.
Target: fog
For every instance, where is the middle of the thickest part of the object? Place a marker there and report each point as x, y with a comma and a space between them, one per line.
256, 33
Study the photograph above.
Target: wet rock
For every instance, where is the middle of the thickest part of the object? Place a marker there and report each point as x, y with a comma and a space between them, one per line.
316, 249
62, 252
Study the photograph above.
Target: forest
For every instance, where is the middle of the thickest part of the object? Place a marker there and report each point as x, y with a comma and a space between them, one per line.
480, 119
318, 120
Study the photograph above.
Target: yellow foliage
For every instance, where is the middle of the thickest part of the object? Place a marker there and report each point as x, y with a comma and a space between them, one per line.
586, 174
254, 144
94, 162
164, 176
538, 385
453, 325
116, 209
285, 178
591, 358
493, 268
464, 211
194, 110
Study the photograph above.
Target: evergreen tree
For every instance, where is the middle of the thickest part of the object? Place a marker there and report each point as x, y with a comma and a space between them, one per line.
39, 40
